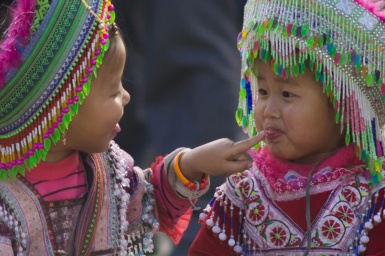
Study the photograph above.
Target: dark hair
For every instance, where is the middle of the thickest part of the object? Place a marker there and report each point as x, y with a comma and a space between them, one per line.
114, 35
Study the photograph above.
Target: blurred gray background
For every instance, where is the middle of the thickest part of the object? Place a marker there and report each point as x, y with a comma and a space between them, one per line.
182, 71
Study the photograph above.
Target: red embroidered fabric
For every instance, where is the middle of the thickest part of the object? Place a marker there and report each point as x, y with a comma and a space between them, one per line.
336, 184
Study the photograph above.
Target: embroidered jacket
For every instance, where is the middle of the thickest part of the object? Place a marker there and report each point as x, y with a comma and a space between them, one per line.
263, 211
119, 214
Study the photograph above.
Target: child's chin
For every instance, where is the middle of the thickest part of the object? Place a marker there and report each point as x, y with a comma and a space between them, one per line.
99, 148
103, 148
278, 154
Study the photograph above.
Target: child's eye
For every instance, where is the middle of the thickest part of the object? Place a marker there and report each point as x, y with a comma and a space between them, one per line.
286, 94
262, 92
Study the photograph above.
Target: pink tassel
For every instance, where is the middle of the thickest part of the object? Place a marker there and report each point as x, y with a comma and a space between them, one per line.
377, 7
17, 36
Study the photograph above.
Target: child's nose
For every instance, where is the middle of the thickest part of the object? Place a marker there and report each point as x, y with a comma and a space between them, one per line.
126, 97
271, 109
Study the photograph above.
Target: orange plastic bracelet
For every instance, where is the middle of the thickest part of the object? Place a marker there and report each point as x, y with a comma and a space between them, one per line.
190, 184
178, 172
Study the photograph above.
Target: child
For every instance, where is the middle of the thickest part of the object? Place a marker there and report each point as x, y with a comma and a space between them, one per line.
313, 80
61, 99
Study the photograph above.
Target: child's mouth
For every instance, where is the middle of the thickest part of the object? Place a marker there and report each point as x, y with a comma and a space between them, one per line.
272, 134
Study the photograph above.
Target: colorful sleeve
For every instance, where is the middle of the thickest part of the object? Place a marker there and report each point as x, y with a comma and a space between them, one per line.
178, 187
158, 200
174, 212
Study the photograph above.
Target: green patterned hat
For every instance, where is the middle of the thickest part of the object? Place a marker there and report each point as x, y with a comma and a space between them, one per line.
48, 56
343, 42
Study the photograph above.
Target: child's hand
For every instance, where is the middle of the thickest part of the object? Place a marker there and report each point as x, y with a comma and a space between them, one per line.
220, 157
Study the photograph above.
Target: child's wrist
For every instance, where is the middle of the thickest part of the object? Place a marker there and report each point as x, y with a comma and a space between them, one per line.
186, 169
195, 181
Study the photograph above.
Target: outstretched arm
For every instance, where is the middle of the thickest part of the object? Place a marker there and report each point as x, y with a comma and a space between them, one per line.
220, 157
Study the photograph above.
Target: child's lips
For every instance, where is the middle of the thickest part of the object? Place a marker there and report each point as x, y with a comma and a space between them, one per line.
116, 129
272, 134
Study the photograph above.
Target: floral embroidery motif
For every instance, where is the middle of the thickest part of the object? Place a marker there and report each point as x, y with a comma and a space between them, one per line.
344, 212
316, 242
332, 229
277, 234
256, 213
245, 187
277, 230
293, 183
236, 178
294, 241
364, 189
351, 194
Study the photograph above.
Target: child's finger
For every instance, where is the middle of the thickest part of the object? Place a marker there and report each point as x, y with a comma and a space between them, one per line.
243, 156
238, 166
244, 145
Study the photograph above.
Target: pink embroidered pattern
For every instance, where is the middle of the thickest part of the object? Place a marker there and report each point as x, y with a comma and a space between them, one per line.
16, 36
299, 183
293, 181
375, 7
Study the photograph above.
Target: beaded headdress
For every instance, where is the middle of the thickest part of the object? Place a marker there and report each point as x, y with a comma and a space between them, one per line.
343, 42
48, 56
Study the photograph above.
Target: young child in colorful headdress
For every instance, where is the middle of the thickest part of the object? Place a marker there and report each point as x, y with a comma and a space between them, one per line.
61, 99
313, 82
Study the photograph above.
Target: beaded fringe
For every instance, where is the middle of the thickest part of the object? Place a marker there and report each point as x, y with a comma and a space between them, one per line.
220, 213
140, 241
24, 148
341, 43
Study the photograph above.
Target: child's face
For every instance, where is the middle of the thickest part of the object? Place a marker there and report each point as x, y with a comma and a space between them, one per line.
97, 121
297, 116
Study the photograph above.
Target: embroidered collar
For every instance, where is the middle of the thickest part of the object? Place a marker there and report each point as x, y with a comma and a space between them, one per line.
283, 176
